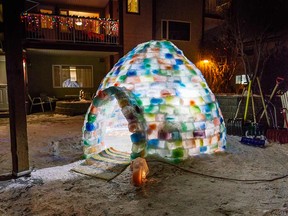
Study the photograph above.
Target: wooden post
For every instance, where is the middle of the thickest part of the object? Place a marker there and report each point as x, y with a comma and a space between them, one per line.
12, 10
121, 26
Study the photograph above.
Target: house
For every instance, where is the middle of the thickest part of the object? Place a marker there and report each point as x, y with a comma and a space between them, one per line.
80, 41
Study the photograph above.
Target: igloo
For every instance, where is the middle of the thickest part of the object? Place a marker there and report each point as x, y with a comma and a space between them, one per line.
166, 103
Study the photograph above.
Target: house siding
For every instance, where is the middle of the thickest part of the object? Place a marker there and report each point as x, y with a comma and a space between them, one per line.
182, 10
40, 72
137, 27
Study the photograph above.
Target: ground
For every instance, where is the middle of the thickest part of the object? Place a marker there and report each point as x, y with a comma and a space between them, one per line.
244, 180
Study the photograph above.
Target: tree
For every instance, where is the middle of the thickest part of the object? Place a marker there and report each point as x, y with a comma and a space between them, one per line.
252, 32
256, 27
219, 49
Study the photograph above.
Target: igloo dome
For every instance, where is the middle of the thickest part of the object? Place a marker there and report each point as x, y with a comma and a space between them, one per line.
165, 102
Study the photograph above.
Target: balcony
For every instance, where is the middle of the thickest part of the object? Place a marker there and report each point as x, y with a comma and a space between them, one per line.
45, 27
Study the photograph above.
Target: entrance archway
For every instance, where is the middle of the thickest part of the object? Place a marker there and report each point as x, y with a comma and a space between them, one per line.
109, 107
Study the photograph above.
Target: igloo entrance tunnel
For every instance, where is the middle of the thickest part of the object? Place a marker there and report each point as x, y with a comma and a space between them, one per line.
168, 106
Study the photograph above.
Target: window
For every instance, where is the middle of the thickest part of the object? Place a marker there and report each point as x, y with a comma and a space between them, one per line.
46, 20
83, 14
64, 21
81, 23
133, 6
71, 76
175, 30
241, 79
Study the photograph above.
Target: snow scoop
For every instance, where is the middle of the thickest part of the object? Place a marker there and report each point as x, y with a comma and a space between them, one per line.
257, 142
253, 130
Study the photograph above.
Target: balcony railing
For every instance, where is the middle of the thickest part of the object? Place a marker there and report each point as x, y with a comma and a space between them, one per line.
44, 27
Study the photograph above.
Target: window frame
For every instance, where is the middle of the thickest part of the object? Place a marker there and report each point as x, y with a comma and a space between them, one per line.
167, 29
67, 65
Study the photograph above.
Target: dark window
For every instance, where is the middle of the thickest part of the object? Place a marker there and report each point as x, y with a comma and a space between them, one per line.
175, 30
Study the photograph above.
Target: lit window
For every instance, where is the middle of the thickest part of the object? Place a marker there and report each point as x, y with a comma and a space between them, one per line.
46, 20
133, 6
83, 14
241, 79
175, 30
65, 21
81, 23
79, 76
45, 11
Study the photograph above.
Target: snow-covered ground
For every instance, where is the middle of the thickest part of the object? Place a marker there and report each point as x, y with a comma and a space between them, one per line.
242, 181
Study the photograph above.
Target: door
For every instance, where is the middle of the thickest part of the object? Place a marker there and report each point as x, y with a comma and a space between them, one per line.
3, 97
3, 85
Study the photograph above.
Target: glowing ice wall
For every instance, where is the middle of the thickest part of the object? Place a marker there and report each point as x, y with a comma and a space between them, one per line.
178, 113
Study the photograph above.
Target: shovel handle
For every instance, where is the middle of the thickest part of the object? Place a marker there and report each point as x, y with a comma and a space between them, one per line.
263, 102
247, 101
278, 81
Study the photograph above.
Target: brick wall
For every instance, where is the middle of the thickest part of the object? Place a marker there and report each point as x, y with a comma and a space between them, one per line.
228, 105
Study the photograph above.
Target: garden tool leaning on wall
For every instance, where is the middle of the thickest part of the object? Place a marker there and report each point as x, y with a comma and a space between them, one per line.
234, 125
284, 100
273, 133
283, 137
255, 128
253, 133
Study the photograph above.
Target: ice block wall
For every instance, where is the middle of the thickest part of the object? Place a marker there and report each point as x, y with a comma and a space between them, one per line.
169, 107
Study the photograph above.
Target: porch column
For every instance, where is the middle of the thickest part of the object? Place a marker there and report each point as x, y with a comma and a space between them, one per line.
121, 24
16, 87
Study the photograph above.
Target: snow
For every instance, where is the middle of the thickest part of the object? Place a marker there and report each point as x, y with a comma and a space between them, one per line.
204, 185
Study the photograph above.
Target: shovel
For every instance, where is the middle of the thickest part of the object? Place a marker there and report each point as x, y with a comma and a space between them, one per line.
234, 125
263, 102
278, 81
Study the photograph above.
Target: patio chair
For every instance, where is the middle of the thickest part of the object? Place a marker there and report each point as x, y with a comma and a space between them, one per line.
36, 101
46, 99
